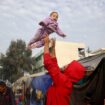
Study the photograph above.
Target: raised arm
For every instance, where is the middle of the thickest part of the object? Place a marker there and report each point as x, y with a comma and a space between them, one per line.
52, 67
60, 32
46, 46
52, 48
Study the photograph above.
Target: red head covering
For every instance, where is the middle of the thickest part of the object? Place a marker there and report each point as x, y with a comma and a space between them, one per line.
75, 71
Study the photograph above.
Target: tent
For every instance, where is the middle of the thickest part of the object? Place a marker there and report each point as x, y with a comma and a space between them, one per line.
92, 90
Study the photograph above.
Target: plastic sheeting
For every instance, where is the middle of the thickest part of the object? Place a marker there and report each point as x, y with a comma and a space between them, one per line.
92, 91
41, 83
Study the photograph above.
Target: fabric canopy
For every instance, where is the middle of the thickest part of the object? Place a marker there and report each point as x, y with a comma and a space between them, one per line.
42, 82
92, 91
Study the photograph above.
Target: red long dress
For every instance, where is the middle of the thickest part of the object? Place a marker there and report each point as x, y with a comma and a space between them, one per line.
59, 92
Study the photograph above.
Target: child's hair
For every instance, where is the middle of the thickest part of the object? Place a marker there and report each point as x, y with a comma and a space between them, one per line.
53, 12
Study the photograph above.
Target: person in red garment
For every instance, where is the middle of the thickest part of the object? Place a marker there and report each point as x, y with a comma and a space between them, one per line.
60, 90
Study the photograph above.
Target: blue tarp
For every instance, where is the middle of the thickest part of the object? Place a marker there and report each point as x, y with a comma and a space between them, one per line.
41, 83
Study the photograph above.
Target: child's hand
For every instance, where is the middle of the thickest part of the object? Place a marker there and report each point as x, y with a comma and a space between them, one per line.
42, 23
64, 36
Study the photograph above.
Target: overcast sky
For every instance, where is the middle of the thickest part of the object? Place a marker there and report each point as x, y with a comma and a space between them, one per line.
81, 20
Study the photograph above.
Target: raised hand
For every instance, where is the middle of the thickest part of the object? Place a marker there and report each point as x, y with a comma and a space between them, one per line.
64, 36
46, 39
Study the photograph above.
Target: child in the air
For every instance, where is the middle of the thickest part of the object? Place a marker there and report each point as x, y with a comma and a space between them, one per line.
48, 26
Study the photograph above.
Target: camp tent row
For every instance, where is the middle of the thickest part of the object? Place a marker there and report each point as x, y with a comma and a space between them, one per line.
90, 90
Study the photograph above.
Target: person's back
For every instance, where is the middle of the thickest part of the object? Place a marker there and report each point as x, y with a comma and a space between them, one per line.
60, 91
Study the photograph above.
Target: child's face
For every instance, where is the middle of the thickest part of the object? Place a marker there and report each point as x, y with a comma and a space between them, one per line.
54, 16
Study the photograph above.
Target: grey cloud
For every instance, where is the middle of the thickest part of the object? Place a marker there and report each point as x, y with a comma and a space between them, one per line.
79, 19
